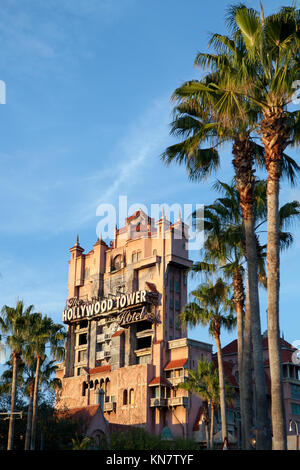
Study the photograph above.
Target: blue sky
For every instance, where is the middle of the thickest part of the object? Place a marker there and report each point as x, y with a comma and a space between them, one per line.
86, 119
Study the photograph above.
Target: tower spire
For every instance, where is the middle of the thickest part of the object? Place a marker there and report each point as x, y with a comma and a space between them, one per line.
179, 215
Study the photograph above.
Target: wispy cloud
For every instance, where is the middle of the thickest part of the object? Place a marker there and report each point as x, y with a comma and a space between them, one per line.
38, 199
46, 34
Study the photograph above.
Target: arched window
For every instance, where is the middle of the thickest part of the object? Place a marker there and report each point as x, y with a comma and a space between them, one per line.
131, 397
117, 262
91, 384
125, 397
154, 252
139, 255
134, 257
84, 387
107, 388
96, 384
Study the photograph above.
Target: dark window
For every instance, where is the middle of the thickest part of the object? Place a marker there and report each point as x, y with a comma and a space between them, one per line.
295, 391
295, 409
84, 387
125, 397
82, 339
144, 342
83, 324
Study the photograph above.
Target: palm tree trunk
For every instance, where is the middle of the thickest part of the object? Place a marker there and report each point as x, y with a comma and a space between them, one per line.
275, 134
10, 441
206, 422
35, 402
247, 375
29, 417
212, 417
222, 387
207, 433
243, 164
277, 405
263, 436
239, 297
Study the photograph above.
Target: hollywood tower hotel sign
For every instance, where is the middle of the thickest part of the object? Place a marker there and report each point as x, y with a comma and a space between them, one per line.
124, 338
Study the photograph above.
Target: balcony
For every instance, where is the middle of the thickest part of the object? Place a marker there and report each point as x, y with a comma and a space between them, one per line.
144, 333
103, 337
99, 355
177, 380
110, 405
158, 402
178, 401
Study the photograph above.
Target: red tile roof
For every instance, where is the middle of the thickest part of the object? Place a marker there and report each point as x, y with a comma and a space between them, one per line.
83, 415
159, 381
100, 369
232, 348
176, 364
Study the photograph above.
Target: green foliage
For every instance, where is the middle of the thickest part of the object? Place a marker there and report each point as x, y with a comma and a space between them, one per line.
212, 307
137, 438
84, 444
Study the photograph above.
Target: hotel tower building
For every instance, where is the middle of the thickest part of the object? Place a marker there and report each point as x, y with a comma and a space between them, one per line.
126, 349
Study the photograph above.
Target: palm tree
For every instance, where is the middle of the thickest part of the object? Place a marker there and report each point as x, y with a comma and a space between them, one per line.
47, 381
272, 67
212, 307
25, 382
204, 382
225, 249
209, 114
13, 325
47, 369
43, 332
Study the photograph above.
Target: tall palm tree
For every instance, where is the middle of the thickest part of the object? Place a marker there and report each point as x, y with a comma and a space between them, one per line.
208, 114
25, 382
224, 249
272, 67
44, 332
13, 324
46, 370
46, 379
212, 307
